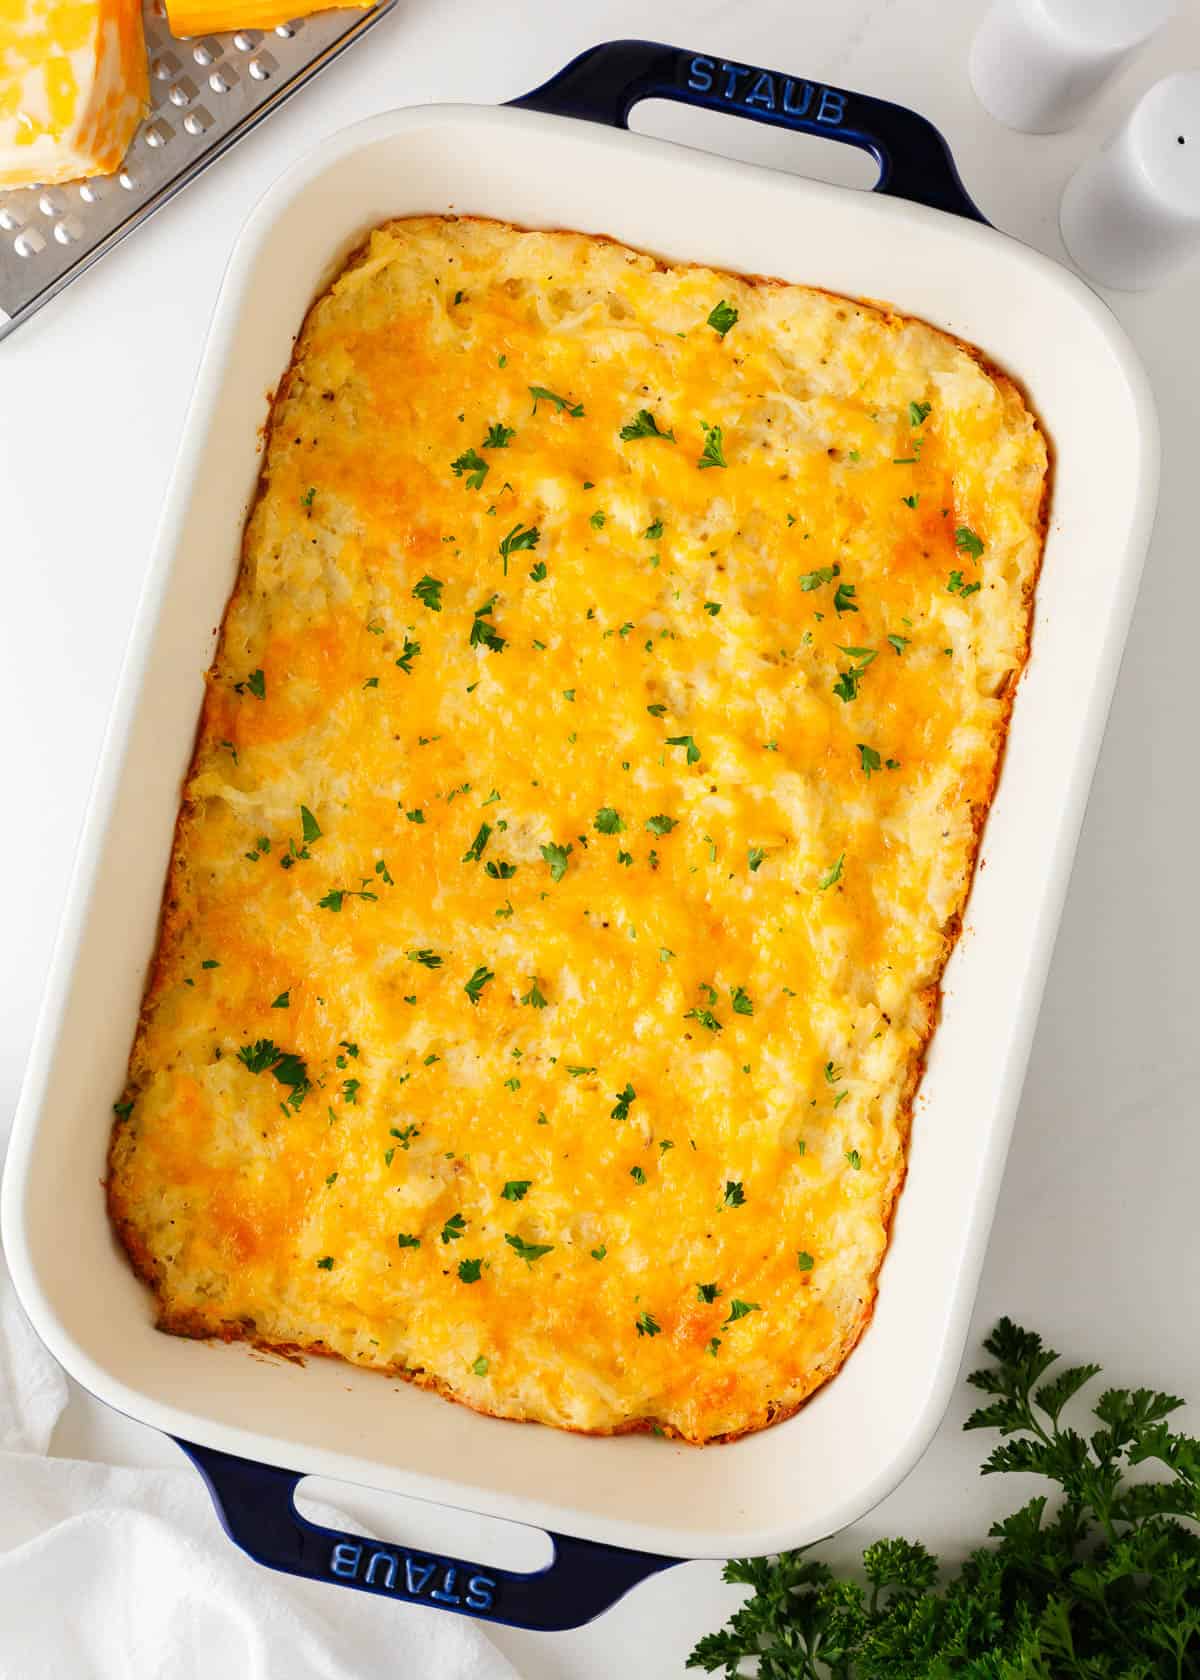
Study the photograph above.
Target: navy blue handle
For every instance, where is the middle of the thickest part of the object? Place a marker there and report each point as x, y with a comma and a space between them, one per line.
605, 83
257, 1507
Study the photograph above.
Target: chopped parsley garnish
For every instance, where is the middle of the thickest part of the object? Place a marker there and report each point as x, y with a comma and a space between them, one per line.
325, 1265
499, 870
913, 500
415, 816
597, 520
426, 957
693, 751
480, 1366
707, 1292
741, 1002
740, 1309
721, 317
842, 599
409, 652
754, 857
647, 1325
966, 541
516, 1189
265, 1057
637, 1175
599, 1253
538, 572
854, 1158
735, 1196
660, 824
956, 586
539, 394
534, 997
608, 821
868, 758
428, 590
624, 1098
336, 897
307, 499
657, 709
473, 466
577, 1072
454, 1227
846, 686
475, 850
714, 1346
521, 536
484, 634
405, 1240
804, 1261
899, 642
918, 413
705, 1017
713, 453
814, 580
654, 530
712, 608
477, 982
498, 436
644, 425
832, 876
469, 1271
527, 1251
406, 1134
283, 1001
556, 856
210, 962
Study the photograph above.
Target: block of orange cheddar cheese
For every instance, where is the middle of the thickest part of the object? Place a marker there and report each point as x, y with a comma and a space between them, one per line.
72, 87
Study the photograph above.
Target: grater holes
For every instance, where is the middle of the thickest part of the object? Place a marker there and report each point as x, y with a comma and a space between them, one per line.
128, 180
158, 133
197, 121
247, 39
164, 66
52, 202
91, 192
223, 81
11, 219
182, 92
29, 243
207, 51
68, 230
262, 66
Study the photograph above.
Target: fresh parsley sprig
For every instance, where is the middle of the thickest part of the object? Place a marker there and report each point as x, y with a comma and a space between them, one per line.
1104, 1586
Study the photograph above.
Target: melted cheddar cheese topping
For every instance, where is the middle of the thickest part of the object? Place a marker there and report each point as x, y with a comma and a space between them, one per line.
587, 792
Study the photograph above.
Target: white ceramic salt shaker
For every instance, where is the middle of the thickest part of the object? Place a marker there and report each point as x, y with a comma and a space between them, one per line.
1130, 215
1035, 64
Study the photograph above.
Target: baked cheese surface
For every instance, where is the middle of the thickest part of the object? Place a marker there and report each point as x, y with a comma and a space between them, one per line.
586, 797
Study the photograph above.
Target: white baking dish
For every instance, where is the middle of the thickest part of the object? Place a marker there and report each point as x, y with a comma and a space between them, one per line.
844, 1451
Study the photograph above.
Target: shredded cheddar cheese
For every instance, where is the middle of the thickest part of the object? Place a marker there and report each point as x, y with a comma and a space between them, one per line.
587, 793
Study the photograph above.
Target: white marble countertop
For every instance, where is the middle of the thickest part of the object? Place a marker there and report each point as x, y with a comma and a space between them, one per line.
1096, 1241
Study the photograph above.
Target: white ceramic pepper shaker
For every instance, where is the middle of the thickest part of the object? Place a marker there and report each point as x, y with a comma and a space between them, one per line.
1035, 64
1130, 215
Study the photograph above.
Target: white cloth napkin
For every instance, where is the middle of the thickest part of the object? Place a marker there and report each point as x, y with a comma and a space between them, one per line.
117, 1574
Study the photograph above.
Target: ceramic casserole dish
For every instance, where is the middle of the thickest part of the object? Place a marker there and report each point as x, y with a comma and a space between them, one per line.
619, 1508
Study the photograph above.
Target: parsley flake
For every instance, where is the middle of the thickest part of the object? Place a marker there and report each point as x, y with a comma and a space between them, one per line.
539, 393
966, 541
520, 537
472, 466
527, 1251
713, 453
428, 590
644, 425
556, 856
722, 317
474, 986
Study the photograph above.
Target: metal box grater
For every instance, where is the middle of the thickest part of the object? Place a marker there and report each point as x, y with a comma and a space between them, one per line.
204, 95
